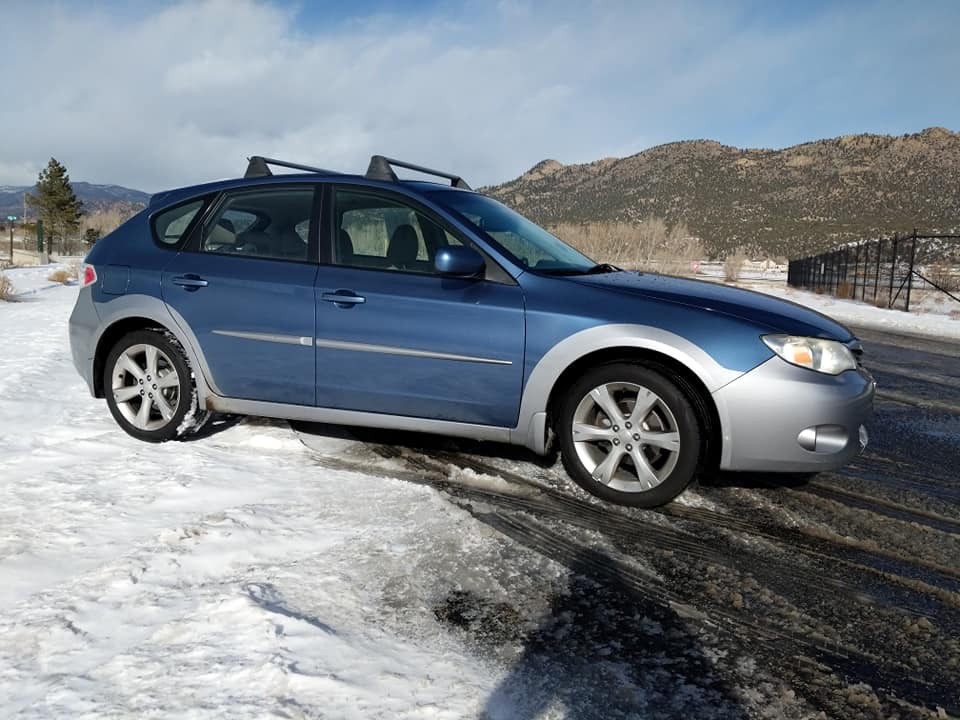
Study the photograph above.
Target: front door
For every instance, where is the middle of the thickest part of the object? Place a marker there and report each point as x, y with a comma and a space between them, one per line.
245, 287
394, 337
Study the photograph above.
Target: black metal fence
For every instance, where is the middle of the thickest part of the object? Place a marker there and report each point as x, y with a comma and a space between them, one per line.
888, 271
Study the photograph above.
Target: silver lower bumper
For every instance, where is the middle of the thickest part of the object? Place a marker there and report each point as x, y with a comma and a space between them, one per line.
783, 418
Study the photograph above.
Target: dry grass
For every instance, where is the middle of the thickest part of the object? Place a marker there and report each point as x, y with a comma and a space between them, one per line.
6, 288
944, 275
733, 265
61, 275
106, 221
844, 290
649, 245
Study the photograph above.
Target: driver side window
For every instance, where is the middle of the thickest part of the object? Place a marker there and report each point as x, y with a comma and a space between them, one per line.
377, 232
380, 233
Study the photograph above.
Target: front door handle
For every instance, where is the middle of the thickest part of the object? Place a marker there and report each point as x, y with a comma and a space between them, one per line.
190, 282
343, 298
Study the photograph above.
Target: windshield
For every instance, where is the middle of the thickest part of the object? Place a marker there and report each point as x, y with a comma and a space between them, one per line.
528, 243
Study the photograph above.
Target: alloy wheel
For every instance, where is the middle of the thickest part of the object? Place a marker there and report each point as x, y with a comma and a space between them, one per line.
626, 436
146, 387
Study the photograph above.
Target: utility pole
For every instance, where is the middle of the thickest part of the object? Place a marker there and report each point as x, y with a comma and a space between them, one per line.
11, 219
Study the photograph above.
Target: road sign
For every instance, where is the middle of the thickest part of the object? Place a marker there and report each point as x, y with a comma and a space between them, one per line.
11, 217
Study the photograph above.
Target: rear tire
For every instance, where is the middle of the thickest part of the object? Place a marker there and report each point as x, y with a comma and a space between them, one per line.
629, 435
149, 387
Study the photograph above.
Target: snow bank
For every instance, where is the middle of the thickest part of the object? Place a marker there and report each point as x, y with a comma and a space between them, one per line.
226, 577
934, 324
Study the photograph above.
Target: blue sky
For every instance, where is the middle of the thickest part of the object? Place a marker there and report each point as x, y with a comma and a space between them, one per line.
152, 95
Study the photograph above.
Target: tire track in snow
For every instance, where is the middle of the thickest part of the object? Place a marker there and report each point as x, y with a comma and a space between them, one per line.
795, 655
550, 522
644, 533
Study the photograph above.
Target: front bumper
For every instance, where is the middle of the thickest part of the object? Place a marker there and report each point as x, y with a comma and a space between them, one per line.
783, 418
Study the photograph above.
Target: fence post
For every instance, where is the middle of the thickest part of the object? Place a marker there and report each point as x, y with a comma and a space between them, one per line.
836, 272
876, 276
856, 269
893, 268
846, 262
913, 255
866, 264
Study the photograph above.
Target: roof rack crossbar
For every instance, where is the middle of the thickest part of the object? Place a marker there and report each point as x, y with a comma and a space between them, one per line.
258, 167
381, 168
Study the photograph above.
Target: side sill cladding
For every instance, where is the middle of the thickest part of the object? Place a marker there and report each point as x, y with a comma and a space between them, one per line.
154, 309
531, 430
309, 413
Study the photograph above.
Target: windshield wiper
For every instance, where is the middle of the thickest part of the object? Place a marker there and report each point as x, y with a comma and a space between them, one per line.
602, 268
594, 270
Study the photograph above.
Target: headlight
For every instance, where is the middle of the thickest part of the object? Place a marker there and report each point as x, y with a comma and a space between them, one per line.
826, 356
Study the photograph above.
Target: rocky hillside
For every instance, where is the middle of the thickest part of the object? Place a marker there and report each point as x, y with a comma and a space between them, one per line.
786, 202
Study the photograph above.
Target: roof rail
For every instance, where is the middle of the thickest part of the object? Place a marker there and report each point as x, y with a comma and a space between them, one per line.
381, 168
258, 167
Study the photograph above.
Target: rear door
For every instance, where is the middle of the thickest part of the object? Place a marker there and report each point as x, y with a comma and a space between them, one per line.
245, 287
394, 337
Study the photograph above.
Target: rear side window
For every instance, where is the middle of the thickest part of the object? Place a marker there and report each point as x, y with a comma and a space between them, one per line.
270, 224
170, 225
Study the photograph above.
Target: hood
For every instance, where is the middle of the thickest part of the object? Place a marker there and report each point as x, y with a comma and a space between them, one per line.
776, 314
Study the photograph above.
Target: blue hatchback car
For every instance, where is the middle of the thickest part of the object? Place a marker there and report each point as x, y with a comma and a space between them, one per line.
372, 301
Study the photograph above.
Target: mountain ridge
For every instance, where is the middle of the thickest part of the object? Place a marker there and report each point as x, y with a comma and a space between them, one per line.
788, 202
94, 197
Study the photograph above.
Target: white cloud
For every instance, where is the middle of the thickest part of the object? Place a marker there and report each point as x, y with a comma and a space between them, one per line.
183, 93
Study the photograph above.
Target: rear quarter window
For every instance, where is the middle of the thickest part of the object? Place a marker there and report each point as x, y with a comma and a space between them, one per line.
170, 225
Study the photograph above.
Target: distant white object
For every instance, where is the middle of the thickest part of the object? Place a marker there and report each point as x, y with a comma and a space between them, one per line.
695, 267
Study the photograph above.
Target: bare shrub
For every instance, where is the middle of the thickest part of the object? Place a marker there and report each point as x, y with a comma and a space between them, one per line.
733, 265
6, 288
61, 275
106, 220
649, 245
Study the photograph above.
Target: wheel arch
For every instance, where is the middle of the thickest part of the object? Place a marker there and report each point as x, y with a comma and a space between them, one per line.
137, 312
696, 370
689, 383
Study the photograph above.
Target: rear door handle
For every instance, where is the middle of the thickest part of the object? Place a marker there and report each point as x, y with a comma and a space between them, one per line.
190, 282
343, 297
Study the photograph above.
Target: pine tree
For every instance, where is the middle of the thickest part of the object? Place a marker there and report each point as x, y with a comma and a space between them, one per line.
55, 203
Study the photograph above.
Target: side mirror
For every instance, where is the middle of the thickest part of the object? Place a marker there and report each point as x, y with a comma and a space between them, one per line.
459, 261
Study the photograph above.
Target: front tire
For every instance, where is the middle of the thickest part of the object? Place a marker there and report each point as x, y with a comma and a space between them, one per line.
148, 385
629, 435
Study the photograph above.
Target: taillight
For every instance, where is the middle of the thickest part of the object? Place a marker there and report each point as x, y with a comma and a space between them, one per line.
88, 275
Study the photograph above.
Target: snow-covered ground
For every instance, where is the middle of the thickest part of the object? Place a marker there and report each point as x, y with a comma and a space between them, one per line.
851, 312
228, 577
245, 574
932, 313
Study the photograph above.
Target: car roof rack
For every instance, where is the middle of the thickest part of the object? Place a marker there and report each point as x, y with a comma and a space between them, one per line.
381, 168
258, 166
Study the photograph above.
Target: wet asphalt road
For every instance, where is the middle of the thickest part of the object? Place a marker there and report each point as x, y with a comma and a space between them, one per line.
755, 596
